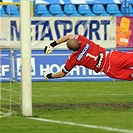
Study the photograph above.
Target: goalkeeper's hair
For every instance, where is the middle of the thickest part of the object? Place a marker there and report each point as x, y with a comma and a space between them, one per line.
73, 44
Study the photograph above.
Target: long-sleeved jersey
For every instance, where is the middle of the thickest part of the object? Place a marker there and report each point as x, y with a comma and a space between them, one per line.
89, 55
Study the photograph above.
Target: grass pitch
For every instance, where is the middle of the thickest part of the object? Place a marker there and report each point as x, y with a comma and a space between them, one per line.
106, 104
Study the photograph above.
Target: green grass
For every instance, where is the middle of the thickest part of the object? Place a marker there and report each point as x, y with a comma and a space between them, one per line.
107, 104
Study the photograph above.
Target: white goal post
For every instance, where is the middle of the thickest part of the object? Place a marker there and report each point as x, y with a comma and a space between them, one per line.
25, 22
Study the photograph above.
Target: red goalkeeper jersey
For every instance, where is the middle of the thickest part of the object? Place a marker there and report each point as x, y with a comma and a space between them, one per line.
90, 55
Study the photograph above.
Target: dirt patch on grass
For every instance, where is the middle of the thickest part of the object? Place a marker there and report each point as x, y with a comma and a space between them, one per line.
95, 105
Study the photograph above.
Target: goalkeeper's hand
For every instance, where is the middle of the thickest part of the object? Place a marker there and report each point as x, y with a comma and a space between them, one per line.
47, 75
49, 48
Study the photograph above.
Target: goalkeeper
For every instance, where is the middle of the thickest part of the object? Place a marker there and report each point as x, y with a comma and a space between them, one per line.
115, 64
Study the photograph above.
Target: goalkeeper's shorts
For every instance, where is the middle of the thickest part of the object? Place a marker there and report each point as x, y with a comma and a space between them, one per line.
119, 65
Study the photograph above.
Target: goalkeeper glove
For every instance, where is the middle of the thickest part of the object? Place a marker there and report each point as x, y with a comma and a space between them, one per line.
49, 48
47, 75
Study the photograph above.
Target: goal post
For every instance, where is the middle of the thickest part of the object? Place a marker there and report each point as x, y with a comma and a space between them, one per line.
25, 40
9, 96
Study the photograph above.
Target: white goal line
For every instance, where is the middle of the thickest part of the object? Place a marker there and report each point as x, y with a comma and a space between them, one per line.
82, 125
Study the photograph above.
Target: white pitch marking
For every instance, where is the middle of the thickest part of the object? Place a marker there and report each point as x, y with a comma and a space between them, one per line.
109, 94
82, 125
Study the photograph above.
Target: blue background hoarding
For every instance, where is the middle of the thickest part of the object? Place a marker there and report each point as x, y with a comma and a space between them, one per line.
50, 63
5, 66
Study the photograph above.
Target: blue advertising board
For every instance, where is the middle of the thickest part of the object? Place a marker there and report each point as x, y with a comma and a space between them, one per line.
5, 66
49, 63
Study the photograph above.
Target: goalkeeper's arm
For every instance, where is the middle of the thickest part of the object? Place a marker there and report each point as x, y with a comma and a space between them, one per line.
64, 38
59, 74
49, 48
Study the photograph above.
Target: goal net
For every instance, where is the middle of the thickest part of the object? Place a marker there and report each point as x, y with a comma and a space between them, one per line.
14, 94
10, 92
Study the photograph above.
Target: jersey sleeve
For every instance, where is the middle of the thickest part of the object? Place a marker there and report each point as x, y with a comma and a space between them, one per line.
68, 66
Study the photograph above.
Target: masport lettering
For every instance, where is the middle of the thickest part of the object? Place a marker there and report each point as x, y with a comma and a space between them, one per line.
42, 29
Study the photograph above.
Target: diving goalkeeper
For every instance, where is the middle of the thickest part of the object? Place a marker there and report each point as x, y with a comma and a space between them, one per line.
115, 64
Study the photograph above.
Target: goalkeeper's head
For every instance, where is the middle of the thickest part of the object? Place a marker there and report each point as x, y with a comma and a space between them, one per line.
73, 44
